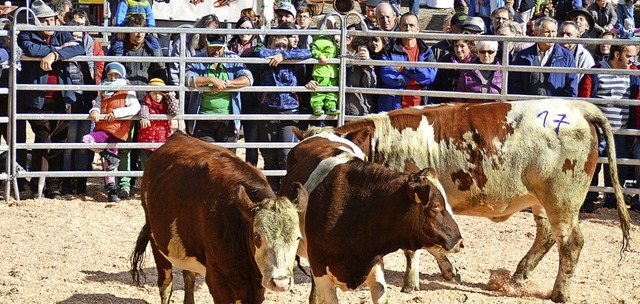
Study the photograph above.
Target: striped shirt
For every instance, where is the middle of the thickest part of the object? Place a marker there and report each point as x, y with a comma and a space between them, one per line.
614, 87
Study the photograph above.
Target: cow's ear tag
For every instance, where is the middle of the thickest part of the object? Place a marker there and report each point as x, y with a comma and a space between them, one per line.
417, 198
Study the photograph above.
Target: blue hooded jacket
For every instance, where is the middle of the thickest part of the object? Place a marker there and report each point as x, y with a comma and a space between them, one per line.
393, 79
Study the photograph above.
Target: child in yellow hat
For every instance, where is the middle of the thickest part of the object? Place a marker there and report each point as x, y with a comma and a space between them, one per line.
155, 131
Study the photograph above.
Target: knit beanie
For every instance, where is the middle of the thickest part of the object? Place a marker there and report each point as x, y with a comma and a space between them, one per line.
117, 67
156, 82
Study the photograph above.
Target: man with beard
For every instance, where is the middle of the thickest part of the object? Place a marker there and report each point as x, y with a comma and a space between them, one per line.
139, 73
614, 87
52, 47
584, 60
218, 77
544, 54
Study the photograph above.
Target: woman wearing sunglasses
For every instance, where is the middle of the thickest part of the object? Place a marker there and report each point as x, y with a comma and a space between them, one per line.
482, 81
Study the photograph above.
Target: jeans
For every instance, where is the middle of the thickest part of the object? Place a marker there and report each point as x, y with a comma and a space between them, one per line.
414, 6
523, 18
276, 131
623, 12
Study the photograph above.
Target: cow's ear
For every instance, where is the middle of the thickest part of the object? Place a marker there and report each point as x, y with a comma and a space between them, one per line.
299, 133
246, 205
359, 137
420, 187
299, 196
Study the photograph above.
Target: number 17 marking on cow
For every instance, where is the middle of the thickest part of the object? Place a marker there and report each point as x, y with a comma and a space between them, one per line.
558, 121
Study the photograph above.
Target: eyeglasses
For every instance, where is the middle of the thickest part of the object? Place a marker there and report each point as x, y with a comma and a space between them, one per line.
303, 17
484, 52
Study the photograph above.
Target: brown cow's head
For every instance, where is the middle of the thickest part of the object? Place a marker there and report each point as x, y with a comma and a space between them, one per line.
276, 234
437, 227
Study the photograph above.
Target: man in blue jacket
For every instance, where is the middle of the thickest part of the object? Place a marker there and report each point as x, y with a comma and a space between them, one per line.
405, 78
544, 54
51, 47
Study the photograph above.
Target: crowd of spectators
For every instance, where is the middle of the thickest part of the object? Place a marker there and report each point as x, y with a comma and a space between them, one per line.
597, 20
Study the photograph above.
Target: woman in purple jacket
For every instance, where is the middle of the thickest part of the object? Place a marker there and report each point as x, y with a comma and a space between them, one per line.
482, 81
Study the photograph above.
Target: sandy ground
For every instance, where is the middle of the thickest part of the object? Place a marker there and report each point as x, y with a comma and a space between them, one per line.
77, 251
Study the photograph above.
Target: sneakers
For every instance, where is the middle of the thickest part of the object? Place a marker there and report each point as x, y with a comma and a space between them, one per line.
333, 111
113, 160
318, 112
124, 192
112, 193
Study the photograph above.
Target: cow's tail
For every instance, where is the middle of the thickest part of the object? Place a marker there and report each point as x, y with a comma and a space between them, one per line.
603, 123
137, 257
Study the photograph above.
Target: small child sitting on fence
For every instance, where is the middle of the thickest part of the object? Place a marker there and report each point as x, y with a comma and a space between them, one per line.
629, 31
155, 131
324, 47
116, 104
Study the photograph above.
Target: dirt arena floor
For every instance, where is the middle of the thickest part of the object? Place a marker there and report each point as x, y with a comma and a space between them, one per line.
77, 251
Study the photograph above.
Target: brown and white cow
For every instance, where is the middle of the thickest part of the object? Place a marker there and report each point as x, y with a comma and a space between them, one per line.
359, 211
496, 159
209, 212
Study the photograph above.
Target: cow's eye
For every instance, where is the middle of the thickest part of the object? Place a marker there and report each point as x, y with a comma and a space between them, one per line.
437, 206
257, 239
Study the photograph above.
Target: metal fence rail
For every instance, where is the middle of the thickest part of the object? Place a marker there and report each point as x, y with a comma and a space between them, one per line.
342, 89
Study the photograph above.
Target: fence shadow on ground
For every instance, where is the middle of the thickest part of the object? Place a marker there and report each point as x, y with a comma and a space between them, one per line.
100, 298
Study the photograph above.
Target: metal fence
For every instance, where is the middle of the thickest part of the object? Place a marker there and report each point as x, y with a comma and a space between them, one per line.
15, 171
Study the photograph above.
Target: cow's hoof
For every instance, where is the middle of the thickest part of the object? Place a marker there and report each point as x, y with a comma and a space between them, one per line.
410, 289
559, 297
452, 275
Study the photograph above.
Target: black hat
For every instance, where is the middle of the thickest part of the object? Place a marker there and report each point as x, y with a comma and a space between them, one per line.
587, 15
458, 19
374, 2
215, 40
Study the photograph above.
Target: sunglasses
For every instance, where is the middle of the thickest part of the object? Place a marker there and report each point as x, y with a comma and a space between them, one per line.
483, 52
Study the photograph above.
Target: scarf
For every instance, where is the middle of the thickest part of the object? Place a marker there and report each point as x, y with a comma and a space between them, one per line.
118, 82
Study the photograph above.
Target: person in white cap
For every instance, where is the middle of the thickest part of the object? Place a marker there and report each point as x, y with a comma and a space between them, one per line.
51, 47
285, 12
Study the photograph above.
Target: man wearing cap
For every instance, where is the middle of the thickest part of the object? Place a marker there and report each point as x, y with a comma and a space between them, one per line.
444, 47
544, 54
51, 47
370, 15
285, 12
473, 25
405, 78
585, 22
139, 73
217, 77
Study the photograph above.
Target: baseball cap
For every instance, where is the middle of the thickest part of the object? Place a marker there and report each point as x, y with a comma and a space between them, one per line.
474, 24
458, 19
287, 7
215, 40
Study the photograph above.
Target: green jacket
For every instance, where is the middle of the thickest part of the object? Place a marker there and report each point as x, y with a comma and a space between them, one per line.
324, 45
